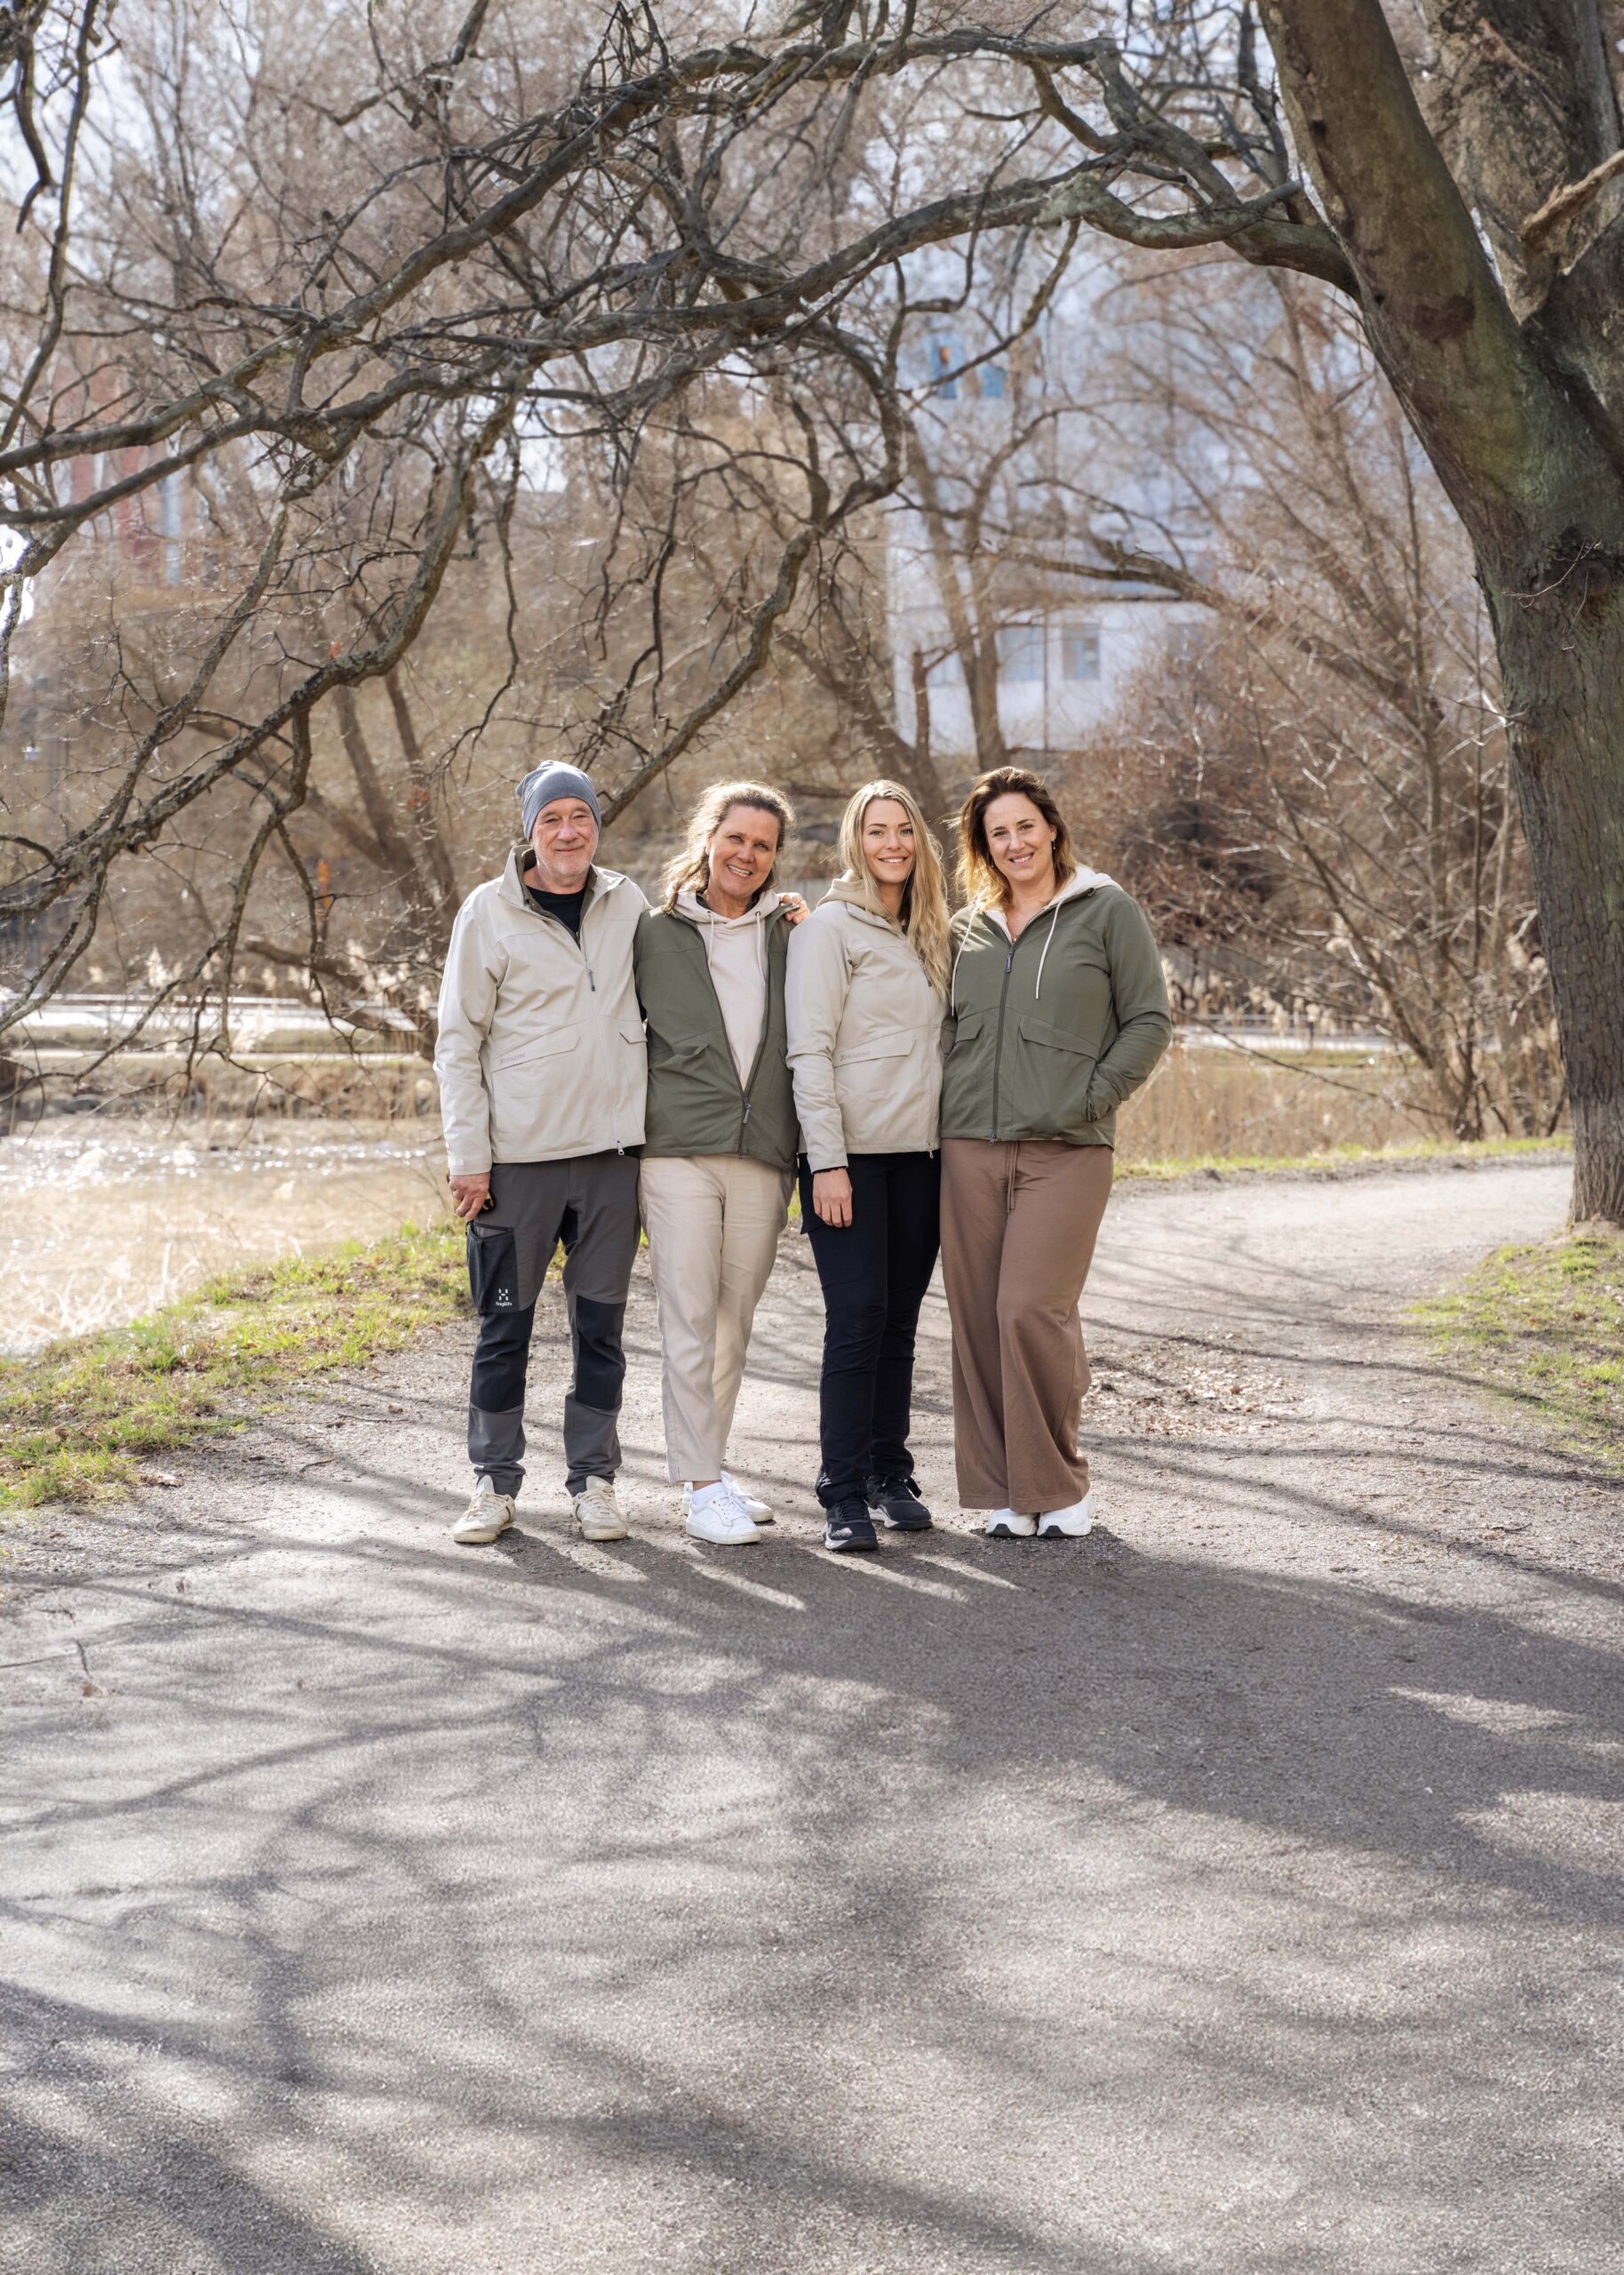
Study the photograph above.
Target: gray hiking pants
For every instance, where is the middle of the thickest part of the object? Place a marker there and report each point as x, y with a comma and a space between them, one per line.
589, 1203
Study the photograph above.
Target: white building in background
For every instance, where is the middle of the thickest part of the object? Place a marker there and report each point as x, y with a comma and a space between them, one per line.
1066, 658
1062, 669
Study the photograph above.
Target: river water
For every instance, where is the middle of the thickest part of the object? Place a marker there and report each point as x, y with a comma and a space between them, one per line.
103, 1218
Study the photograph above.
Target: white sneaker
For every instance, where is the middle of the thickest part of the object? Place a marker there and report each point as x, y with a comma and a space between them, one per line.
1072, 1522
758, 1512
716, 1513
487, 1514
1008, 1524
597, 1511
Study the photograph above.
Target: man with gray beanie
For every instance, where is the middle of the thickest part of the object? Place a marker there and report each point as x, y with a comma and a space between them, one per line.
542, 1070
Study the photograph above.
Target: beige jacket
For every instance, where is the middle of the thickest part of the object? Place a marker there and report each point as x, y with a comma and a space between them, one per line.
541, 1052
864, 1035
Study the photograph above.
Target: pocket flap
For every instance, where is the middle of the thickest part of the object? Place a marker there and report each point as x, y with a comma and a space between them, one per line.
876, 1046
547, 1046
966, 1027
1056, 1038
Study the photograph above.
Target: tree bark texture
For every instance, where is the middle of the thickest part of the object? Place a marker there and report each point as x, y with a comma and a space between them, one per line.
1562, 656
1518, 399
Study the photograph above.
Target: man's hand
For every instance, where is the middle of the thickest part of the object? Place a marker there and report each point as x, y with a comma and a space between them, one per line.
832, 1196
469, 1195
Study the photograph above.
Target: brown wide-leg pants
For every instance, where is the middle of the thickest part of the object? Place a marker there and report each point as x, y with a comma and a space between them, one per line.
1018, 1227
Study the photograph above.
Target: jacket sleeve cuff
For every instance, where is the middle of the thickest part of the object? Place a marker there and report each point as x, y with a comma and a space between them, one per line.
468, 1168
818, 1161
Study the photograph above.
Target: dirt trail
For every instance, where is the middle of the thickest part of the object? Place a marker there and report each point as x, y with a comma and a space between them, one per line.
1233, 1891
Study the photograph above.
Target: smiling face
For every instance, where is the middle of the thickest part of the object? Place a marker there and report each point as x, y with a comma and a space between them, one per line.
741, 854
1021, 843
888, 843
565, 837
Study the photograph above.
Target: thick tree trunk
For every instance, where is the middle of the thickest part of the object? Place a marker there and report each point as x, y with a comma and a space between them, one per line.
1562, 656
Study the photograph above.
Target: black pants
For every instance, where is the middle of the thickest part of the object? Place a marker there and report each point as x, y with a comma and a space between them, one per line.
875, 1272
589, 1204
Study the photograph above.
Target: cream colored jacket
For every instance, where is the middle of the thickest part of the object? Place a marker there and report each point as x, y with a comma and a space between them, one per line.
541, 1052
864, 1035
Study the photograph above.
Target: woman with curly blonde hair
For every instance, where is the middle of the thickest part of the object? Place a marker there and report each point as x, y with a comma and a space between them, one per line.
866, 988
719, 1149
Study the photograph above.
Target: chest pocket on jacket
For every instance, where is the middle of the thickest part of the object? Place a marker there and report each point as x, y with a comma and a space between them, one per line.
545, 1046
874, 1046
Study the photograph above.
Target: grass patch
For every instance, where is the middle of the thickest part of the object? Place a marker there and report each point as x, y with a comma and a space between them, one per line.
1421, 1149
80, 1420
1544, 1326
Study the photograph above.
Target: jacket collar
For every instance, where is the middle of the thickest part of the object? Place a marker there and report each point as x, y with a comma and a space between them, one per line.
693, 911
511, 887
1086, 880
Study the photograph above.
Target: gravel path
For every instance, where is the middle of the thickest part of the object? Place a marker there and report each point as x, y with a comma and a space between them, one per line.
1233, 1893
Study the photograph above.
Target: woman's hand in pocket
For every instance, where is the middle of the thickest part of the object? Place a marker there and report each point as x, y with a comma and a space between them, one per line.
832, 1196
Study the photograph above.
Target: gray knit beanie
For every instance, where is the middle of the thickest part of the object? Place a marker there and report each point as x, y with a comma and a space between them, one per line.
543, 784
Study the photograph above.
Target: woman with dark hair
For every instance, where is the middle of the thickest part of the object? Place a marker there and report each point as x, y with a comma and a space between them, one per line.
720, 1133
1058, 1012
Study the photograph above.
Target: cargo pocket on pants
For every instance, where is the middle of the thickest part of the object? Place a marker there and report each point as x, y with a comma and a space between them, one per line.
493, 1268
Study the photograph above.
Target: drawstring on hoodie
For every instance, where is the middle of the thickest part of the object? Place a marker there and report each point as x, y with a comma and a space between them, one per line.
953, 982
1084, 880
1048, 944
758, 933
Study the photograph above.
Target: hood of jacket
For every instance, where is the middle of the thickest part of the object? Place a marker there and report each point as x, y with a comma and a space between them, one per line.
690, 906
1086, 880
849, 893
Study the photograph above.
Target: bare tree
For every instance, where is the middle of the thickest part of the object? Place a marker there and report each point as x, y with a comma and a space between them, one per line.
1318, 796
474, 253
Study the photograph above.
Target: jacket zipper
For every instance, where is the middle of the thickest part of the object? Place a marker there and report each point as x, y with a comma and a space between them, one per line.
592, 984
997, 1047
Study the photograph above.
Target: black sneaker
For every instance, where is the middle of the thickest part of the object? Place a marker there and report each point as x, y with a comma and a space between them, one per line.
894, 1501
847, 1526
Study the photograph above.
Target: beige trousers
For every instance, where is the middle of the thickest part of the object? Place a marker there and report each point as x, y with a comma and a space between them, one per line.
1018, 1227
714, 1222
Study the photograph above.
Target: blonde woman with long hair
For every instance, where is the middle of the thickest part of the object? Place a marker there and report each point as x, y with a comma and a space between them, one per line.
720, 1143
865, 999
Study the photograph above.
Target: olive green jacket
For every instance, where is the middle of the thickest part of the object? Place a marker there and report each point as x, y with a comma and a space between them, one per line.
1048, 1034
696, 1103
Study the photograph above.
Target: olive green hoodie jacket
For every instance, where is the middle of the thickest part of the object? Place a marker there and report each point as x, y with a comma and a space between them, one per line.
697, 1102
1049, 1034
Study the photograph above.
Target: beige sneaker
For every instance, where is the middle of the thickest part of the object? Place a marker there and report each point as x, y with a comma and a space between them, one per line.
487, 1514
597, 1511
